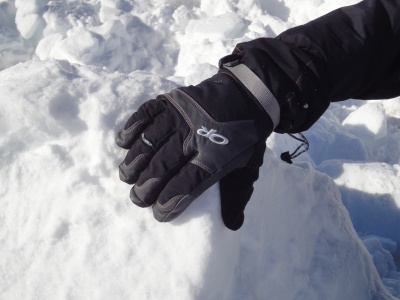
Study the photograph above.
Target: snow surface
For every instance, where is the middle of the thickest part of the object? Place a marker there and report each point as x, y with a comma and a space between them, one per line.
67, 227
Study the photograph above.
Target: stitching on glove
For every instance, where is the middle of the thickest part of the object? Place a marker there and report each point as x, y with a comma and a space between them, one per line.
185, 116
148, 181
131, 128
178, 197
201, 165
133, 161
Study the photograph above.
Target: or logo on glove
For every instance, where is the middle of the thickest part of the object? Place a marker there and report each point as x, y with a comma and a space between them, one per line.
212, 136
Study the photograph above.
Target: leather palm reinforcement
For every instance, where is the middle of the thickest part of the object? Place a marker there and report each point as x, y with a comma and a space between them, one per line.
183, 142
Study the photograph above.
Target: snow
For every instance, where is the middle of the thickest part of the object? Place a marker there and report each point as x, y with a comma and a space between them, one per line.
368, 129
325, 227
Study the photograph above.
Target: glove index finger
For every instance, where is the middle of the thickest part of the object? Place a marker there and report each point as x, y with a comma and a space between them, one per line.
139, 121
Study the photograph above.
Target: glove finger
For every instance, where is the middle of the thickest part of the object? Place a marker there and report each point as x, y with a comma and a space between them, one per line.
139, 121
236, 189
142, 151
165, 164
180, 191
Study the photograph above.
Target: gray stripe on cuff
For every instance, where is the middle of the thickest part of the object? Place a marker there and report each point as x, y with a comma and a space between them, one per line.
259, 90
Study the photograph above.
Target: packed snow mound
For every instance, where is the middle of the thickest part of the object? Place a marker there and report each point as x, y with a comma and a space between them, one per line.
72, 232
371, 193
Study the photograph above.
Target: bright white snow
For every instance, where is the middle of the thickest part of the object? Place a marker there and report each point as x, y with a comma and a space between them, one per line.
67, 227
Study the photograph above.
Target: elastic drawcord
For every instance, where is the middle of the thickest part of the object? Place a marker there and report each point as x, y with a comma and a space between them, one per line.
286, 156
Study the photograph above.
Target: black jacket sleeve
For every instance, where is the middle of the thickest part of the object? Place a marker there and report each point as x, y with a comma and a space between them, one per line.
352, 52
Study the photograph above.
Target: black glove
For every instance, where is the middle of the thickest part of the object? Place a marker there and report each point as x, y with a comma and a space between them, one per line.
183, 142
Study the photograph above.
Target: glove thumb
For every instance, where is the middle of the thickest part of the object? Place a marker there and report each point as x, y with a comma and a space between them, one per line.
236, 189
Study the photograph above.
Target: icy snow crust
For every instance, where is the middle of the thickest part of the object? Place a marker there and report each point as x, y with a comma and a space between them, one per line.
67, 227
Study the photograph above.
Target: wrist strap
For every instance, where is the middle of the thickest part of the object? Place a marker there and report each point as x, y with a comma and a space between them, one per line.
258, 89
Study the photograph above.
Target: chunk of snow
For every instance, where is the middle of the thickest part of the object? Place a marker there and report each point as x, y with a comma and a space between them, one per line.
368, 122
